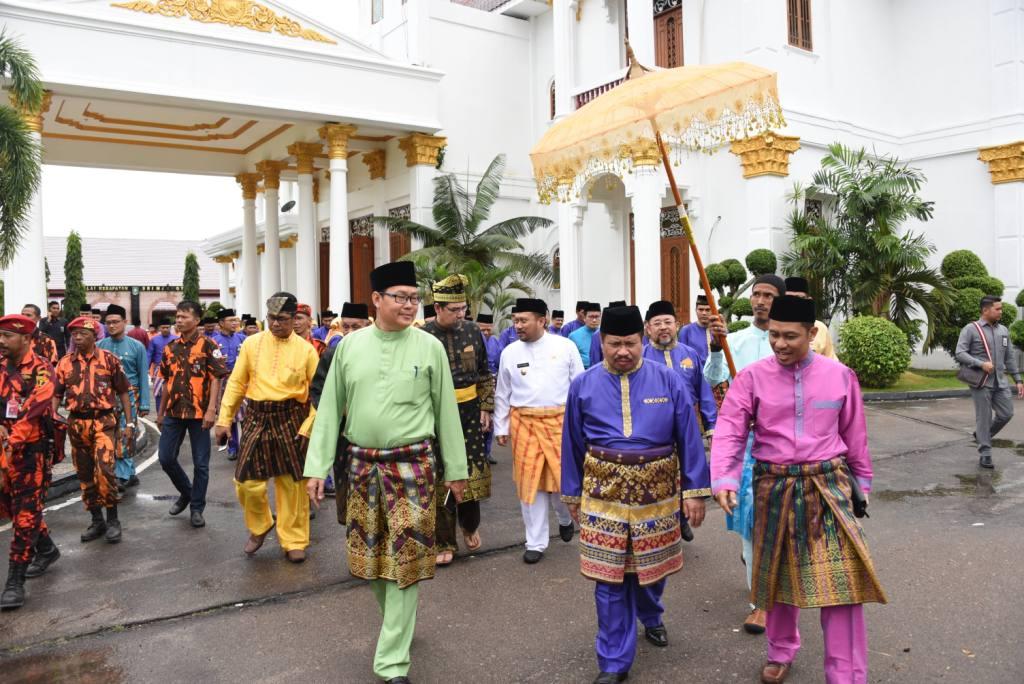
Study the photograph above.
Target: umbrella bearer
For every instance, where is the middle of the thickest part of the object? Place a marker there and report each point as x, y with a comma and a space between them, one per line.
91, 382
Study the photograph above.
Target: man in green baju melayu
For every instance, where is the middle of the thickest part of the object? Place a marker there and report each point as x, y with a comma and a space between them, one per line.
393, 384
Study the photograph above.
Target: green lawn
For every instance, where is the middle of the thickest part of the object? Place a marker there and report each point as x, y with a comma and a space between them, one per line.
917, 379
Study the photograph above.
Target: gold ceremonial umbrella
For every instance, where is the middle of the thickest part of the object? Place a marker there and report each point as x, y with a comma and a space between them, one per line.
652, 114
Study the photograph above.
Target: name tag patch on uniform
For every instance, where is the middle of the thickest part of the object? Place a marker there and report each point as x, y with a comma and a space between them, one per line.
12, 408
656, 400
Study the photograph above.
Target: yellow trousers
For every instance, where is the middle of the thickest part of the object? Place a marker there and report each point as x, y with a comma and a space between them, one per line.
292, 509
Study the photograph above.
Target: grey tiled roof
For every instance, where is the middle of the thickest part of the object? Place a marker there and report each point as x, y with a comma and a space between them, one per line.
130, 261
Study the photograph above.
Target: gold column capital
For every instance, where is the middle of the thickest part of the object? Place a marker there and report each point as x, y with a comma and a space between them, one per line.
223, 259
271, 172
420, 148
34, 120
261, 248
250, 183
766, 154
337, 136
289, 241
304, 152
645, 153
1005, 162
375, 162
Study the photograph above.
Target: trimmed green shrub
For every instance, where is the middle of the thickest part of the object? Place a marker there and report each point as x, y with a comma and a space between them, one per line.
737, 274
966, 307
761, 261
738, 325
718, 275
742, 307
1020, 299
725, 303
213, 308
875, 349
1017, 334
1009, 314
962, 263
987, 284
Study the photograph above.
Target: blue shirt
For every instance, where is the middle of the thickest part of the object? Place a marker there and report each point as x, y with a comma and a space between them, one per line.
156, 347
135, 362
596, 353
582, 338
571, 327
660, 414
493, 353
686, 362
229, 346
320, 333
696, 338
507, 337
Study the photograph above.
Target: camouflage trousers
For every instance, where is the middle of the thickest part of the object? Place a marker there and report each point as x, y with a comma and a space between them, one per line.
94, 450
22, 496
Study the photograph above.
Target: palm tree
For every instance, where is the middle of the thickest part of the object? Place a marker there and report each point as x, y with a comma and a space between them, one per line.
460, 238
20, 153
495, 288
857, 255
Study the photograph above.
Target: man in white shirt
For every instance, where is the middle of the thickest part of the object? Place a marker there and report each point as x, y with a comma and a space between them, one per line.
529, 403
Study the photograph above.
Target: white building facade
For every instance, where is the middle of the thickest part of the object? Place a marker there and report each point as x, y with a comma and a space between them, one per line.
938, 83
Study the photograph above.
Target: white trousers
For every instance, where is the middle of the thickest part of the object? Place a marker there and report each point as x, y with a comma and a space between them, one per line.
535, 519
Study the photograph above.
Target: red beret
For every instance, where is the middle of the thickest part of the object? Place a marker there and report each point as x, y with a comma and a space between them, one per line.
84, 323
305, 309
16, 323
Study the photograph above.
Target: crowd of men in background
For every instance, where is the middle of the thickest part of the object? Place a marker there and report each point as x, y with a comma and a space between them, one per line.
610, 418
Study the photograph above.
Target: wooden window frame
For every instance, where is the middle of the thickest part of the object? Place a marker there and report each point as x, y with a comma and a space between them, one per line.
798, 22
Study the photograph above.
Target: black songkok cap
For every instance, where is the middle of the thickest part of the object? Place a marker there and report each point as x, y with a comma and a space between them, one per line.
401, 273
206, 320
282, 303
165, 321
790, 309
796, 284
591, 306
85, 308
702, 300
248, 320
485, 318
350, 310
557, 313
773, 280
536, 306
581, 304
327, 313
622, 321
115, 310
660, 308
225, 313
97, 312
616, 303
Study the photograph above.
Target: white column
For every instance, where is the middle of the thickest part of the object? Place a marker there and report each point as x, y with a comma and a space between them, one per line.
288, 266
224, 264
249, 288
421, 153
305, 250
340, 278
271, 269
640, 17
646, 196
564, 26
570, 219
25, 281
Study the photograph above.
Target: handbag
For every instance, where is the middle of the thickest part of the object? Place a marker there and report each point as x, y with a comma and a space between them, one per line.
975, 377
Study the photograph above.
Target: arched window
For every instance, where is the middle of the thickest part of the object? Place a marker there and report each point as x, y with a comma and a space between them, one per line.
551, 100
556, 269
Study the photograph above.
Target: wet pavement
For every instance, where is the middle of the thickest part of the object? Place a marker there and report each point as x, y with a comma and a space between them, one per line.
175, 604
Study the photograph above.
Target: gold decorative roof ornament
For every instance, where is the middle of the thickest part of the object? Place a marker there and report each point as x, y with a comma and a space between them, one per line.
1005, 162
244, 13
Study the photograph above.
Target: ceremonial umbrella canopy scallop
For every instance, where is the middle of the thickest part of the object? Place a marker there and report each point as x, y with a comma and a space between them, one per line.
657, 116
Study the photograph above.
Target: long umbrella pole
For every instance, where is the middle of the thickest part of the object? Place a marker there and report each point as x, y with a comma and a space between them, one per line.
684, 221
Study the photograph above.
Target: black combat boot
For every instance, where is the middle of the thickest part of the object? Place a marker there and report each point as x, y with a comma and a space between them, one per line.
14, 591
97, 529
47, 554
113, 526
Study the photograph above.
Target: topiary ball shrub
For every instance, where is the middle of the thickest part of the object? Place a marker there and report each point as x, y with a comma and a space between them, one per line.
761, 261
725, 303
875, 349
987, 284
1017, 334
1020, 299
962, 263
737, 274
741, 307
1009, 314
718, 275
736, 326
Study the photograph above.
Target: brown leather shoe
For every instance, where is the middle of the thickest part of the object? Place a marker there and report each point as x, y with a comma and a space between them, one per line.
295, 555
755, 622
774, 673
256, 541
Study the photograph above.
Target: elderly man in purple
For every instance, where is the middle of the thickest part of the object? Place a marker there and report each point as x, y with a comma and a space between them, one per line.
810, 452
630, 438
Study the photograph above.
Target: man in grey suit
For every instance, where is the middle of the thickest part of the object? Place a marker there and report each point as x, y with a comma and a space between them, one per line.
993, 355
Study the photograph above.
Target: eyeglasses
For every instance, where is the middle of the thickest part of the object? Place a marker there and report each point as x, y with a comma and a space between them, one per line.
402, 299
457, 309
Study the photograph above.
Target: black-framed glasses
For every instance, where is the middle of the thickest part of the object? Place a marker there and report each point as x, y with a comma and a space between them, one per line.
403, 299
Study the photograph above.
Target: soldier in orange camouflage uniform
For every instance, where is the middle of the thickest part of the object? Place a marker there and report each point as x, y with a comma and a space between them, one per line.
90, 381
43, 345
304, 328
26, 393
